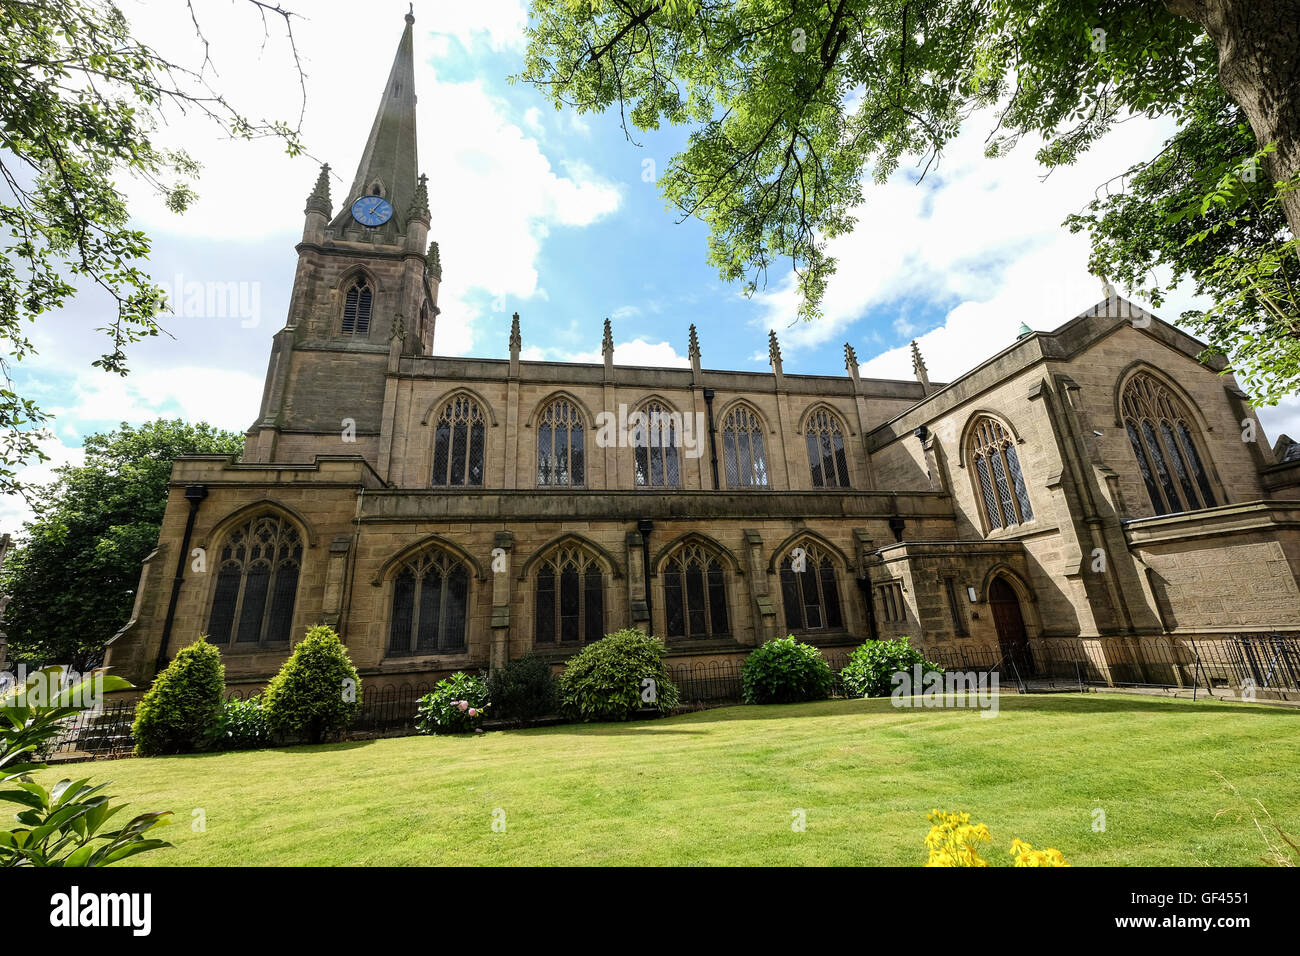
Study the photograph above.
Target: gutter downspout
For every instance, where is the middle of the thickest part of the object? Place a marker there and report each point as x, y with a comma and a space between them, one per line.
194, 494
713, 438
645, 526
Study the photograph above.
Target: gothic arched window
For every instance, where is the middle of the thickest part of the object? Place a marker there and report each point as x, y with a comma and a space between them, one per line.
743, 454
560, 446
656, 436
570, 597
458, 453
826, 457
356, 309
695, 592
808, 589
430, 605
257, 583
1164, 441
1003, 496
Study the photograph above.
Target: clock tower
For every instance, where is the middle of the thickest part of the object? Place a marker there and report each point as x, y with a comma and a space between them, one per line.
365, 293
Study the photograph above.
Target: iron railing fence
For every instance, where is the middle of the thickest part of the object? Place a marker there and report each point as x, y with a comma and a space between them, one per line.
1239, 665
102, 734
1242, 662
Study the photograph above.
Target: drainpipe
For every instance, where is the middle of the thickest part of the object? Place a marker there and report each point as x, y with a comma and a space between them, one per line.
713, 438
645, 526
194, 494
864, 585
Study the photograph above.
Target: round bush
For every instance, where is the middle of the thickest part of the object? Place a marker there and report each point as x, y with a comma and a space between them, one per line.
317, 692
182, 707
871, 668
616, 677
454, 706
241, 725
523, 690
785, 671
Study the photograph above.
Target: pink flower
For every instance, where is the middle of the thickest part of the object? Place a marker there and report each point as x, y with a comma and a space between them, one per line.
463, 704
473, 712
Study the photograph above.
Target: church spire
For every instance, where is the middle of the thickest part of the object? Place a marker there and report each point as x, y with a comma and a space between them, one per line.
389, 159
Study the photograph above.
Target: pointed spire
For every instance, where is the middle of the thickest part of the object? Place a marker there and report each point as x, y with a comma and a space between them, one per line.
420, 204
851, 366
433, 261
774, 351
389, 158
516, 343
607, 347
693, 352
918, 367
319, 200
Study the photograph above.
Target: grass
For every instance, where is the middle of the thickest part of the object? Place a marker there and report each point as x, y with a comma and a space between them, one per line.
719, 787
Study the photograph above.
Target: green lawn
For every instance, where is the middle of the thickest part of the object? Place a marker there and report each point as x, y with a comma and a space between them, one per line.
719, 787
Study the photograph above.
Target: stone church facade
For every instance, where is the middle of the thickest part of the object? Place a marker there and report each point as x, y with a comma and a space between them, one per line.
1096, 482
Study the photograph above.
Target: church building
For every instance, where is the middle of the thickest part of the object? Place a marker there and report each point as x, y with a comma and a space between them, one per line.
1096, 483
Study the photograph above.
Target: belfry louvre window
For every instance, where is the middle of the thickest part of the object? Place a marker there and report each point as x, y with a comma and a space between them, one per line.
356, 309
561, 456
826, 457
1162, 435
695, 593
257, 583
458, 453
570, 598
430, 605
743, 454
1003, 495
656, 441
811, 596
893, 610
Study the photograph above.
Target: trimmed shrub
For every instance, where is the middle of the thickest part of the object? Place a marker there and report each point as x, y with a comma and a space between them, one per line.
523, 690
454, 706
607, 680
871, 667
785, 671
317, 692
242, 725
182, 707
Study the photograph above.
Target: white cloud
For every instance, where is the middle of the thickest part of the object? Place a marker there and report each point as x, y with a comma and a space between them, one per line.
494, 194
220, 397
13, 508
978, 231
636, 352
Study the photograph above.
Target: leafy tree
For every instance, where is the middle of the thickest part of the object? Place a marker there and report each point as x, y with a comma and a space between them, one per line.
73, 575
80, 100
791, 106
1199, 212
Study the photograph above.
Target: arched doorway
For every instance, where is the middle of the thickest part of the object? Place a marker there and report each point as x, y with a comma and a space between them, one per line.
1010, 624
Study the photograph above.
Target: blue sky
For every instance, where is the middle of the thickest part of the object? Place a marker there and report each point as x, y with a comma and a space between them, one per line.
548, 214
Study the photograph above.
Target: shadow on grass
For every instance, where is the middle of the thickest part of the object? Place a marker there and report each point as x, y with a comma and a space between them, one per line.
678, 725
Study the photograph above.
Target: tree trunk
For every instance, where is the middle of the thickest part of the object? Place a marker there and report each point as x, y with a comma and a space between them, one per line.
1259, 66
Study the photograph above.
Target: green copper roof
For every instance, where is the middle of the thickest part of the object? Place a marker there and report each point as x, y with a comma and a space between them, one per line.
1024, 330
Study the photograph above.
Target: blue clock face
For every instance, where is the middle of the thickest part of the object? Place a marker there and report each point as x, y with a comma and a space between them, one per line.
372, 210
